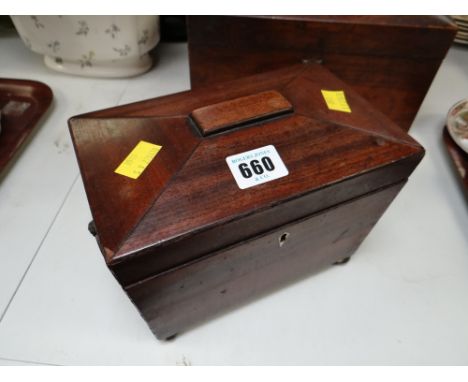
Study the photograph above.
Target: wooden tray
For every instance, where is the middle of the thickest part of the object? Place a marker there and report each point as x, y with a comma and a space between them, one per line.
459, 159
22, 104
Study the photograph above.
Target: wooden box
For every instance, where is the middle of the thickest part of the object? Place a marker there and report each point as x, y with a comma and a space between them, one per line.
389, 60
258, 182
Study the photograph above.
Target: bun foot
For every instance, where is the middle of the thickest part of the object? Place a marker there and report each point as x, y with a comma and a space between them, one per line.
342, 261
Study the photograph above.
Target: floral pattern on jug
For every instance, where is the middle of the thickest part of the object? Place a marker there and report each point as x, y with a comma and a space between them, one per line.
95, 46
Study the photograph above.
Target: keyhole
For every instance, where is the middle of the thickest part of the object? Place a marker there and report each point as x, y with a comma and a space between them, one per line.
282, 239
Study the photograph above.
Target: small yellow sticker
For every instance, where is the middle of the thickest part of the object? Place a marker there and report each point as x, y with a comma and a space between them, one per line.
138, 159
336, 100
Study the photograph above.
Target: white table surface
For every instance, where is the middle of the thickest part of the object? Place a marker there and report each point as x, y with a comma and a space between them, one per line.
402, 299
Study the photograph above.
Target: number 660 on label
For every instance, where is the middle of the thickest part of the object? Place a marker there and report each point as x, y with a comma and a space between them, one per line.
257, 166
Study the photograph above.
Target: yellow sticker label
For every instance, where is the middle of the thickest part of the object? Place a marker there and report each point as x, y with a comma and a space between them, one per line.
138, 159
336, 100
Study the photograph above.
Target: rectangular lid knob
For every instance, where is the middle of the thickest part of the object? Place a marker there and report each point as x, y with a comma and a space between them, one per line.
239, 111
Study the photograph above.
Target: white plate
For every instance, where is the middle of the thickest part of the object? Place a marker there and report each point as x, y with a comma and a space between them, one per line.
462, 34
463, 42
457, 124
463, 19
462, 27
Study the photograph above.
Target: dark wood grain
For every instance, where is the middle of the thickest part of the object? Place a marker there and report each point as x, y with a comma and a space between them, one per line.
390, 60
176, 300
238, 111
117, 202
331, 153
336, 147
187, 207
22, 103
459, 161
